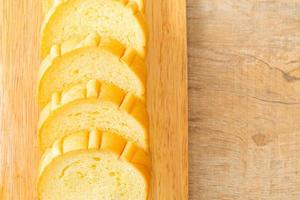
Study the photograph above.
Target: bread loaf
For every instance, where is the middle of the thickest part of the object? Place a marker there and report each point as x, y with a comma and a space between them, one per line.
95, 105
47, 4
94, 165
78, 61
116, 19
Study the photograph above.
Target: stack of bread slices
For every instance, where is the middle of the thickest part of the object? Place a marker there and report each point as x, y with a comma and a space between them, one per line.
93, 124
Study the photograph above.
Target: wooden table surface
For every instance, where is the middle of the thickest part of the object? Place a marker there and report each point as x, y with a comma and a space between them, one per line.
244, 99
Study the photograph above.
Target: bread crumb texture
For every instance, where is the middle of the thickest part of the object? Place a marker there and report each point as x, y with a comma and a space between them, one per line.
47, 4
94, 165
117, 19
95, 105
78, 61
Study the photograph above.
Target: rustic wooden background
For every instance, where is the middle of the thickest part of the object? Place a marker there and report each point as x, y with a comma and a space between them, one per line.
244, 99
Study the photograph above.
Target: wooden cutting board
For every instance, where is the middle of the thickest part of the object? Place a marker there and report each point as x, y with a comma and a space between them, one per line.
167, 102
244, 99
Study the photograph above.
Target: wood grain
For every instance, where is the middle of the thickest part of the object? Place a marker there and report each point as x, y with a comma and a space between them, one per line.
244, 102
20, 22
167, 98
167, 102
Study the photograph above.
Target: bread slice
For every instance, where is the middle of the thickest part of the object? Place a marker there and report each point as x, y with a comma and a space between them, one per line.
116, 19
47, 4
76, 62
95, 105
94, 165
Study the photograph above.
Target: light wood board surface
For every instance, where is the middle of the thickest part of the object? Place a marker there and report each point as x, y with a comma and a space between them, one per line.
167, 98
167, 102
20, 22
244, 99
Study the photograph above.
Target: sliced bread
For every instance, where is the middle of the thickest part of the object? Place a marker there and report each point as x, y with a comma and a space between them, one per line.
117, 19
47, 4
94, 105
75, 62
94, 165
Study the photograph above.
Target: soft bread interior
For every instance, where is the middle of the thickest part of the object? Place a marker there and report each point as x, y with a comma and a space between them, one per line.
117, 19
80, 108
82, 166
47, 4
92, 175
93, 58
90, 113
